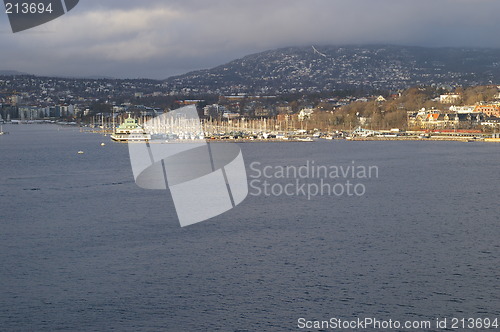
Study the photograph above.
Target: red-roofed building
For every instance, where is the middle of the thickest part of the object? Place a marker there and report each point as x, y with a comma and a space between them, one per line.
488, 110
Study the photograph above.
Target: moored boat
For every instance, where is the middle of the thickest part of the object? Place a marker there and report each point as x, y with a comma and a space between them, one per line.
129, 130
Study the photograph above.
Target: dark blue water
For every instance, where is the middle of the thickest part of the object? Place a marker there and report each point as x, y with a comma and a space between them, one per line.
82, 248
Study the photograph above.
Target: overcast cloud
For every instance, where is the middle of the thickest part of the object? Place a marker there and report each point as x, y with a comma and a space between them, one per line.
160, 38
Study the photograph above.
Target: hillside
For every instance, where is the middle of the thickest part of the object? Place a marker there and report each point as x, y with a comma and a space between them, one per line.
326, 68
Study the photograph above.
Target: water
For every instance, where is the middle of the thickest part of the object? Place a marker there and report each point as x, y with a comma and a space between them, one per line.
82, 248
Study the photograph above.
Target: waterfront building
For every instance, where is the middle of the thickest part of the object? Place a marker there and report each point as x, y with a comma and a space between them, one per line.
488, 110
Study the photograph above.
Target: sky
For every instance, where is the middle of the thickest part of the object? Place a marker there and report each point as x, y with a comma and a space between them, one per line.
160, 38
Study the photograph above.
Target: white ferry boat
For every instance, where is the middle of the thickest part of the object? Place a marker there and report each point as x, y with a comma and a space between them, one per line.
129, 130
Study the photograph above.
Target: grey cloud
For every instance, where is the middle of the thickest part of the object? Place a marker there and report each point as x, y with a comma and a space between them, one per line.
157, 39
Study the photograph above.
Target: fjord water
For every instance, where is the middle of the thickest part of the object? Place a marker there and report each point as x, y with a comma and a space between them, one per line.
82, 248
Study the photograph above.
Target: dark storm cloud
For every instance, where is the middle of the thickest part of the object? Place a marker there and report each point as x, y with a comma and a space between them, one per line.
154, 38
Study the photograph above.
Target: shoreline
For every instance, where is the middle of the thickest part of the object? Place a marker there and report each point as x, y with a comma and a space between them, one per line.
432, 138
356, 139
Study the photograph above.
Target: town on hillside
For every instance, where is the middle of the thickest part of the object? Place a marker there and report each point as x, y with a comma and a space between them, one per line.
103, 103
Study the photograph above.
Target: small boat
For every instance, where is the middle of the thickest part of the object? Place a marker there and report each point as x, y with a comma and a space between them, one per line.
103, 144
306, 139
80, 152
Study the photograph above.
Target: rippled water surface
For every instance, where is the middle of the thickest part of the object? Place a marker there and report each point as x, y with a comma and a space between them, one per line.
82, 248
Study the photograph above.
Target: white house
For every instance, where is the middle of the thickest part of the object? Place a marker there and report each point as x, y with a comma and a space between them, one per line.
305, 114
449, 98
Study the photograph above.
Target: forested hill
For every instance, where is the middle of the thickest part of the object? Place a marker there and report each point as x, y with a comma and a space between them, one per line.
320, 68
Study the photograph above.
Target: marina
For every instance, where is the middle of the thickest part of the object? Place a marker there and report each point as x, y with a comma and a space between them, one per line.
257, 131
